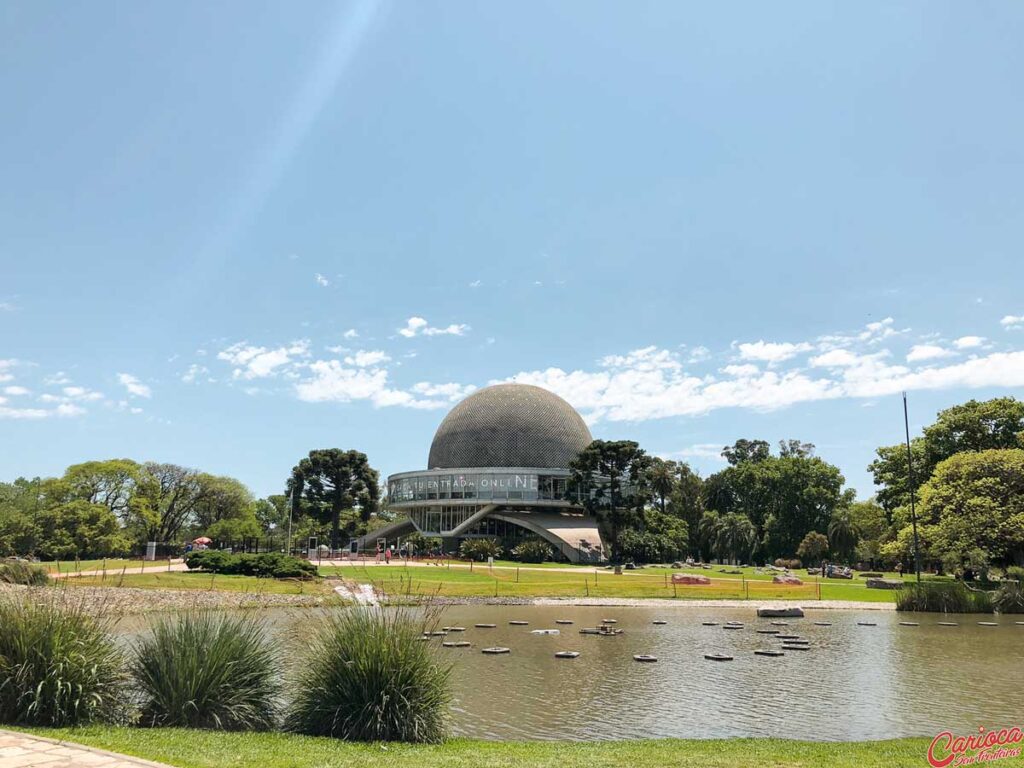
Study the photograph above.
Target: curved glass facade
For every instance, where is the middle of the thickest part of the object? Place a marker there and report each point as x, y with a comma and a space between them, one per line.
497, 485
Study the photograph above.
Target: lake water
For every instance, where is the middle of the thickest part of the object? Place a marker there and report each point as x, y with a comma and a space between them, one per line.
854, 682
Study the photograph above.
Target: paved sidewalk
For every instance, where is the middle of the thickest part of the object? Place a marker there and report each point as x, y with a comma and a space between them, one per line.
19, 750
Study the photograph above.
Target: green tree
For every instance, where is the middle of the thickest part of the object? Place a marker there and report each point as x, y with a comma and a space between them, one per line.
81, 529
662, 477
110, 483
331, 480
872, 527
843, 534
812, 547
744, 451
977, 501
164, 503
972, 426
610, 478
20, 504
735, 536
688, 504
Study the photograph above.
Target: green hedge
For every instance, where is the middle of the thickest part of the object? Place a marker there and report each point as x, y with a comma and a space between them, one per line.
270, 565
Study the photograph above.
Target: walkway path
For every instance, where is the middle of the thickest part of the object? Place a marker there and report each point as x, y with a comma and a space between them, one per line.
176, 565
18, 750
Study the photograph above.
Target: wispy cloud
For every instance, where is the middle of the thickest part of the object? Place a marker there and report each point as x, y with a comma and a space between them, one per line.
135, 387
1012, 322
418, 326
321, 280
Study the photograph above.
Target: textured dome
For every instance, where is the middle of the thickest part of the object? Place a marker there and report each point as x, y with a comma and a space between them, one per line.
509, 425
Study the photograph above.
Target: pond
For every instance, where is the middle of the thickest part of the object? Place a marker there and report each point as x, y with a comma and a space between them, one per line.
852, 683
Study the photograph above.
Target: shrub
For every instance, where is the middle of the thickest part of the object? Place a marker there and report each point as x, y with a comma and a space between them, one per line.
945, 597
532, 551
1009, 598
781, 562
1016, 573
59, 665
479, 549
206, 670
368, 677
269, 565
18, 572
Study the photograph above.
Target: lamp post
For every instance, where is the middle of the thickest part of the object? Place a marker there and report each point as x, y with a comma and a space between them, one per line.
910, 473
291, 513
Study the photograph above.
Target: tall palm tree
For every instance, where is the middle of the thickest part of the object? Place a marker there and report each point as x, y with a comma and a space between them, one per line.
736, 534
843, 534
710, 523
662, 478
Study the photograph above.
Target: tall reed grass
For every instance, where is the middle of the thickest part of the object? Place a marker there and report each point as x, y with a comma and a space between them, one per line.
367, 677
59, 665
207, 670
943, 597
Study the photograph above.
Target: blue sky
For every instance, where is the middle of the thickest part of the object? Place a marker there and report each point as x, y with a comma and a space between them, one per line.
233, 232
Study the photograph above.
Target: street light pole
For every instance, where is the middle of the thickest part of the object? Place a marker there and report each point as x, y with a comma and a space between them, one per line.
910, 472
291, 513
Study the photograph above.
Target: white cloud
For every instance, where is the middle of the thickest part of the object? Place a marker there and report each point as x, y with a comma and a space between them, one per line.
194, 372
450, 392
708, 451
23, 413
920, 352
1012, 322
772, 352
135, 387
252, 362
6, 306
351, 333
79, 393
416, 326
321, 280
476, 283
58, 379
835, 358
969, 342
741, 371
367, 358
332, 382
15, 391
698, 355
69, 409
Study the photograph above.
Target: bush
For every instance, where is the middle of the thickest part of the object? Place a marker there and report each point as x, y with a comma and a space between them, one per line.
18, 572
1016, 573
1009, 599
206, 670
532, 551
59, 665
269, 565
368, 677
944, 597
479, 549
781, 562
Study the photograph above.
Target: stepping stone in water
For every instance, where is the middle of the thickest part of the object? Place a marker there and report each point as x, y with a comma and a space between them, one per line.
768, 631
769, 653
1019, 623
709, 623
456, 644
562, 621
485, 626
948, 624
787, 637
866, 624
545, 632
987, 624
425, 637
438, 633
779, 623
823, 623
733, 626
519, 623
909, 624
659, 621
567, 654
454, 629
644, 657
496, 650
796, 648
609, 621
717, 657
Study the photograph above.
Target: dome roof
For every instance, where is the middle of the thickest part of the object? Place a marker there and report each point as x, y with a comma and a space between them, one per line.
509, 425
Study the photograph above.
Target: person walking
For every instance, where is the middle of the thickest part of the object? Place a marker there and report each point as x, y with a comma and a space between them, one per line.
387, 555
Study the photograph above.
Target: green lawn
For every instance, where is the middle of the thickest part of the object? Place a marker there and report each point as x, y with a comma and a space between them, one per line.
205, 749
201, 581
482, 581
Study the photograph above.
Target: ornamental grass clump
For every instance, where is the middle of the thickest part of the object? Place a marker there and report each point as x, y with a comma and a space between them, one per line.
18, 572
368, 677
943, 597
207, 670
1009, 598
59, 665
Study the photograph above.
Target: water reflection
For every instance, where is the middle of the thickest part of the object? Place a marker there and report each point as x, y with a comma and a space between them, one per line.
855, 682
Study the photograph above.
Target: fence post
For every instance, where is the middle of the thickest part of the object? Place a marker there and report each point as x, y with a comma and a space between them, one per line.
517, 574
674, 592
586, 585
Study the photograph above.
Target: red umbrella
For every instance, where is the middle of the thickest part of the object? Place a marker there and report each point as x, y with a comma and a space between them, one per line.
202, 540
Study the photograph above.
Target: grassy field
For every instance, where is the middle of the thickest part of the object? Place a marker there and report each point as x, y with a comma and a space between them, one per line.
202, 581
206, 749
481, 581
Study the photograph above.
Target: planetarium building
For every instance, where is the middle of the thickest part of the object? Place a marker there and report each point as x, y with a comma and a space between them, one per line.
498, 467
